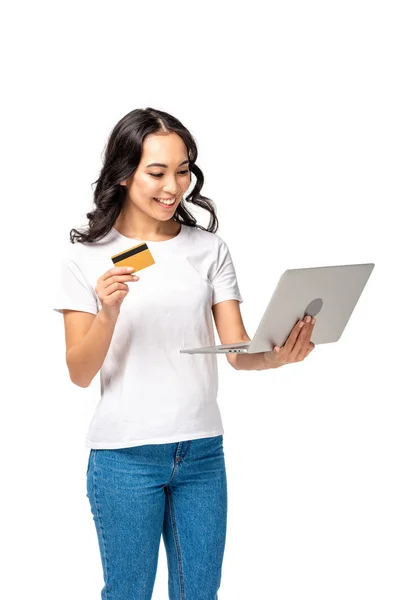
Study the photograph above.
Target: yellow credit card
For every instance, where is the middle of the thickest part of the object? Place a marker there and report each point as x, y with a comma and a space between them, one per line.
139, 257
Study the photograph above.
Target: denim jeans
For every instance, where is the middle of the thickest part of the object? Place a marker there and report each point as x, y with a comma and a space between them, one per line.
176, 490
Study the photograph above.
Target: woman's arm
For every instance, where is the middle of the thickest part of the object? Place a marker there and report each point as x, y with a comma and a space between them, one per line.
88, 338
230, 327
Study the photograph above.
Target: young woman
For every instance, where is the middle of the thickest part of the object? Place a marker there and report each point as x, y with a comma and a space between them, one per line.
156, 465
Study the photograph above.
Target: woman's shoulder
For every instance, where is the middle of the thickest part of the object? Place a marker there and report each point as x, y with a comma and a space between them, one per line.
203, 236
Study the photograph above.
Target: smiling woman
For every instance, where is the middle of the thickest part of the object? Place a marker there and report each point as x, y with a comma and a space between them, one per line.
158, 408
152, 196
141, 187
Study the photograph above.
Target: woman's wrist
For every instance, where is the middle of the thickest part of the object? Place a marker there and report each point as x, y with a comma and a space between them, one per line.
253, 362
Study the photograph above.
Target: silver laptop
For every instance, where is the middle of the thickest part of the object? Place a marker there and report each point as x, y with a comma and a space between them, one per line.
328, 293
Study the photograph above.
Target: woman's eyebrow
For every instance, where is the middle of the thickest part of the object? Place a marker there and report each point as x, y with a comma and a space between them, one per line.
166, 166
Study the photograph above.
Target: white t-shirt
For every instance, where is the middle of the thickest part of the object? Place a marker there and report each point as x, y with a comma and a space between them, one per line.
150, 392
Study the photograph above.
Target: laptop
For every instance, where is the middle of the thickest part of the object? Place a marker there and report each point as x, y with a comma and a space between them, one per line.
328, 293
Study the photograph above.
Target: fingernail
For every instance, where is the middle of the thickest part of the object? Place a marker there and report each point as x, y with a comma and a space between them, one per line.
307, 319
313, 321
129, 269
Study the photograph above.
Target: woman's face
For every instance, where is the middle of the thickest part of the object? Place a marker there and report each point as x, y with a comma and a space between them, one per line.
168, 182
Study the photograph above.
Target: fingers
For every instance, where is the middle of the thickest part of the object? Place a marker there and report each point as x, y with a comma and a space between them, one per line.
298, 345
293, 337
116, 271
303, 344
111, 287
310, 349
116, 278
115, 275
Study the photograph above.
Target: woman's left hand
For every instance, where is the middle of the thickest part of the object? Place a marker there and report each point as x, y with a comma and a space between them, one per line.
297, 347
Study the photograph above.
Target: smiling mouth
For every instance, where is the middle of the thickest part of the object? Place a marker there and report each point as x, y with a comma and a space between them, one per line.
167, 203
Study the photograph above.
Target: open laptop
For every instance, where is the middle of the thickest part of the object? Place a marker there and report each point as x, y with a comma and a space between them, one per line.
328, 293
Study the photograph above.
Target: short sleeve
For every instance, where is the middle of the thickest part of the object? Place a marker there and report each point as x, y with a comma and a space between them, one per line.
224, 282
72, 291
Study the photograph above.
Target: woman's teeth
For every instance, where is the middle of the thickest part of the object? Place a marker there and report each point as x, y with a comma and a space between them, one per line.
165, 202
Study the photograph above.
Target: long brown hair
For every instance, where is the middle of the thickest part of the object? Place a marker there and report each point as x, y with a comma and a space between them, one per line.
122, 156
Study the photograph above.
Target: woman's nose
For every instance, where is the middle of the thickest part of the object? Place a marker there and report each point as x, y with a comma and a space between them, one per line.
171, 187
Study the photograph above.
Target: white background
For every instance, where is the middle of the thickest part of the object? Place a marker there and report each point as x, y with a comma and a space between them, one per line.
295, 109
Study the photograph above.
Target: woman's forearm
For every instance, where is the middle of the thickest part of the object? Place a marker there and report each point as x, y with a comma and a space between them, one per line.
252, 362
86, 358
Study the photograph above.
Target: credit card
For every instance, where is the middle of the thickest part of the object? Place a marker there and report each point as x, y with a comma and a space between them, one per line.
139, 257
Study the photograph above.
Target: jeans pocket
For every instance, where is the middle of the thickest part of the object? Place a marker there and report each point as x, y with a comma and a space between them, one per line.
89, 461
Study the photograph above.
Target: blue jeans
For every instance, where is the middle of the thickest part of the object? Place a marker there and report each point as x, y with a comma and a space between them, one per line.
178, 490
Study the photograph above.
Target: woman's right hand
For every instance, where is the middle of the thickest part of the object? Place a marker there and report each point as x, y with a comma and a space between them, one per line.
112, 291
297, 346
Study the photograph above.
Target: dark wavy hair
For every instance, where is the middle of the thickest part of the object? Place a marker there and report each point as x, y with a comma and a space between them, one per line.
122, 155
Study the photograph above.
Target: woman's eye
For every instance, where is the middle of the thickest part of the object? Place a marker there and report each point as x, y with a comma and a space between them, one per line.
161, 174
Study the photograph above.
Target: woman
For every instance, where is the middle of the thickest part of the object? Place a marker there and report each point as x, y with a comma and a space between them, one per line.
156, 465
